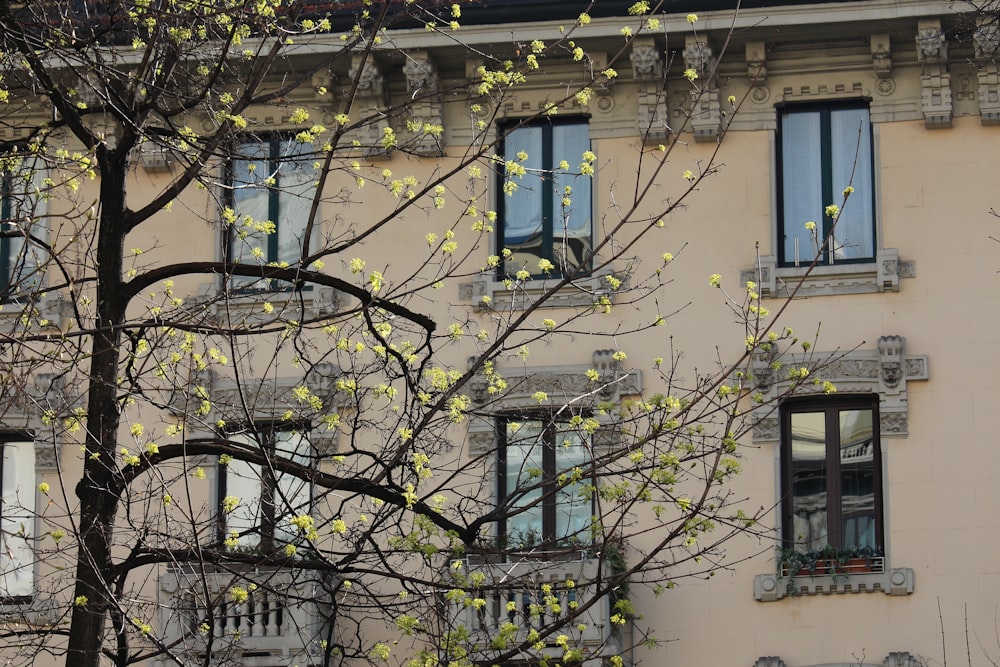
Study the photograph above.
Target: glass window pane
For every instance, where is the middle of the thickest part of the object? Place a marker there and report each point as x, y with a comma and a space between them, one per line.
809, 484
523, 230
243, 480
857, 473
292, 492
525, 447
851, 135
17, 562
802, 184
296, 180
251, 200
571, 225
573, 509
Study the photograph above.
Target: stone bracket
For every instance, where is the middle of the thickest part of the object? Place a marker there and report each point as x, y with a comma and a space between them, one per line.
986, 40
647, 70
427, 109
756, 53
706, 109
371, 97
881, 45
935, 78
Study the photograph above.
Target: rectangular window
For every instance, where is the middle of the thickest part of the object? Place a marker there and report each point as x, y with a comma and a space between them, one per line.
832, 474
266, 499
17, 519
273, 184
534, 456
545, 212
22, 255
822, 151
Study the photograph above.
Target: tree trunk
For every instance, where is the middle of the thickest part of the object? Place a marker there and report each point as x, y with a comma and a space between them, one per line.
98, 504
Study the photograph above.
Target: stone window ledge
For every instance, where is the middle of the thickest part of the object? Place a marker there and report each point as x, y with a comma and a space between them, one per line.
248, 307
893, 581
34, 611
882, 275
485, 292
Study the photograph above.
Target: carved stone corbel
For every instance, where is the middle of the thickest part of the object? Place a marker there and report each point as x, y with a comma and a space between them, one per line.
647, 70
706, 112
882, 56
426, 109
371, 98
932, 53
891, 371
986, 40
757, 64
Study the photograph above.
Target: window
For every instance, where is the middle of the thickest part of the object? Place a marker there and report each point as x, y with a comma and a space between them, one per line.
21, 257
820, 149
535, 456
546, 212
832, 474
273, 184
267, 499
17, 516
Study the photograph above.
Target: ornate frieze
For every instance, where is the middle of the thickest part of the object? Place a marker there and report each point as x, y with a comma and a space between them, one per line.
885, 371
935, 78
563, 385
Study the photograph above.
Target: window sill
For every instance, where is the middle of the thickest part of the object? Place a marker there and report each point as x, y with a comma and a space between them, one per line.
248, 307
892, 581
30, 611
485, 292
882, 275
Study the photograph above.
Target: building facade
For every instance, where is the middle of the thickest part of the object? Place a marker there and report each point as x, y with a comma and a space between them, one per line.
564, 267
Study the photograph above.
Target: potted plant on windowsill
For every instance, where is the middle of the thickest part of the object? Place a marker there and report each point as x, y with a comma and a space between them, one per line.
832, 561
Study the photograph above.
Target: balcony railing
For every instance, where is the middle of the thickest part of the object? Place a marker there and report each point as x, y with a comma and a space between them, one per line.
536, 595
258, 617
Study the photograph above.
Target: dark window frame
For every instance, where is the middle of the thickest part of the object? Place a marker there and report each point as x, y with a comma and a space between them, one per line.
831, 408
831, 194
264, 432
7, 437
548, 480
549, 165
274, 142
11, 265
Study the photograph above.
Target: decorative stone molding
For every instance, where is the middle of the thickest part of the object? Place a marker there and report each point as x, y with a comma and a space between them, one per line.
303, 306
22, 407
769, 661
932, 54
757, 64
882, 55
986, 40
895, 659
883, 275
426, 110
706, 111
884, 371
372, 97
260, 400
773, 587
564, 385
487, 293
647, 70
